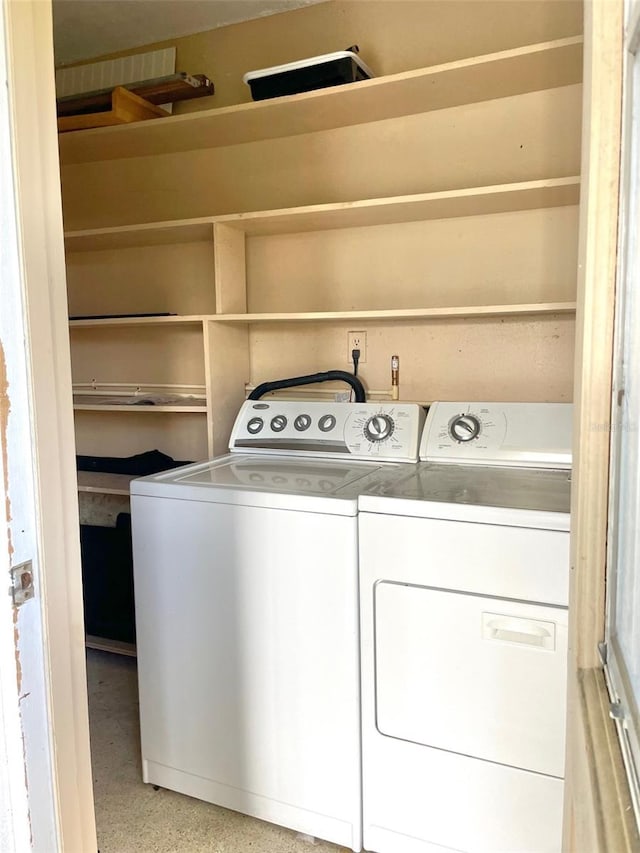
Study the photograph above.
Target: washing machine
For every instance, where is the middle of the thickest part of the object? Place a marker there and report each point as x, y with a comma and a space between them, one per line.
246, 593
464, 582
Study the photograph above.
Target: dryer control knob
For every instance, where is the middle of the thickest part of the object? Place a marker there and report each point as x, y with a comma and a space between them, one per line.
379, 427
464, 427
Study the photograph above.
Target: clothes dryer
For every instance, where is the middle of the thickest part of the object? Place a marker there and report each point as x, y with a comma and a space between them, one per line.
464, 580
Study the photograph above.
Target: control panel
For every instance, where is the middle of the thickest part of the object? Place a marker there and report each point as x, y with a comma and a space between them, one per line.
524, 435
381, 431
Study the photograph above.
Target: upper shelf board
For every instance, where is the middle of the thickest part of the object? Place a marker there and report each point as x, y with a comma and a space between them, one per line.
474, 201
471, 201
496, 75
397, 314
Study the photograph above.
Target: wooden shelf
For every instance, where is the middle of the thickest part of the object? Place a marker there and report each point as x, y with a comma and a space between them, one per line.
117, 647
462, 312
175, 408
129, 236
99, 482
174, 319
496, 75
472, 201
320, 316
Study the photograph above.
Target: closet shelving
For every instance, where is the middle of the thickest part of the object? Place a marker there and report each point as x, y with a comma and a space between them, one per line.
207, 319
496, 75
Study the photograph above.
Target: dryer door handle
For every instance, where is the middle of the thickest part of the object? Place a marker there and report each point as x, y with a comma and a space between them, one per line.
514, 629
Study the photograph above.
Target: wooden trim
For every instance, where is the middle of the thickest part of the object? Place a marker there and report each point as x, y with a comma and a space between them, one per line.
496, 75
32, 86
613, 825
595, 323
585, 824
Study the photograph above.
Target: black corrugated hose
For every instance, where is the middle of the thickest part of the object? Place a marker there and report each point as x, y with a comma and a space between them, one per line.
328, 376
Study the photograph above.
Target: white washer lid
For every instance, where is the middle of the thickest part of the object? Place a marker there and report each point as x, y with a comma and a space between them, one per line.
281, 482
508, 496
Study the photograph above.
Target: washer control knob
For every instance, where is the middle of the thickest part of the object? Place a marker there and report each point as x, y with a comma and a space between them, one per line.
278, 423
302, 422
464, 427
255, 425
378, 427
327, 423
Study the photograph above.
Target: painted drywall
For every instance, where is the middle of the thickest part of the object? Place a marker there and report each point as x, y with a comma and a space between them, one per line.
393, 36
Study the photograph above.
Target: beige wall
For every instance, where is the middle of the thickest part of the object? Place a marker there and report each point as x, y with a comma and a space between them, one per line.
393, 36
515, 257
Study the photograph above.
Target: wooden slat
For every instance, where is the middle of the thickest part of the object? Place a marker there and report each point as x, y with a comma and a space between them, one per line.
497, 75
125, 107
161, 90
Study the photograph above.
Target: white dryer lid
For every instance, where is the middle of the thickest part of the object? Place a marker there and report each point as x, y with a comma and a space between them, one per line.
508, 496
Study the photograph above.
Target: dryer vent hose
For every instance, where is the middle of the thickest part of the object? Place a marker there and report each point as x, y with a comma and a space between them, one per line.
329, 376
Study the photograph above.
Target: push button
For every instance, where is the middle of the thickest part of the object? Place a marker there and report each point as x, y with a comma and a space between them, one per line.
278, 423
302, 422
327, 423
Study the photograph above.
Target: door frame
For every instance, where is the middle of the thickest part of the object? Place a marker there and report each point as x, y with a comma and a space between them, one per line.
28, 38
598, 814
30, 48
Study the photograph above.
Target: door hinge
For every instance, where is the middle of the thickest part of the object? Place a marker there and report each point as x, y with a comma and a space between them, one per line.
602, 651
21, 588
616, 711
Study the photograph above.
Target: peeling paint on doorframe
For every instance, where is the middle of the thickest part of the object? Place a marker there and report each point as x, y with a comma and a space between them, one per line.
5, 409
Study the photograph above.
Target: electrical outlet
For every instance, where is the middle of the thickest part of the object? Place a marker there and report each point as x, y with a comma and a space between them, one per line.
357, 340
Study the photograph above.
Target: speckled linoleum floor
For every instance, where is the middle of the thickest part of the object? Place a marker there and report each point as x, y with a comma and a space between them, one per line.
134, 818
